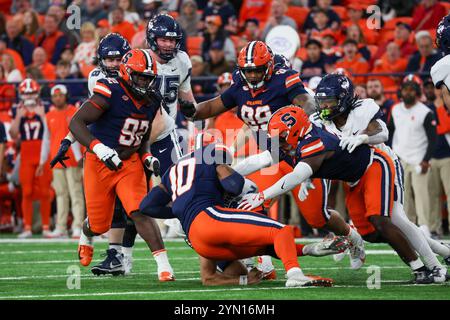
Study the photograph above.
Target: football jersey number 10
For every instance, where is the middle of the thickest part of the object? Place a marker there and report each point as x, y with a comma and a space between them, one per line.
181, 177
132, 132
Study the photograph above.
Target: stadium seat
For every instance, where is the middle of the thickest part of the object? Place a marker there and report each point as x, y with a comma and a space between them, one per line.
390, 25
194, 45
341, 12
299, 14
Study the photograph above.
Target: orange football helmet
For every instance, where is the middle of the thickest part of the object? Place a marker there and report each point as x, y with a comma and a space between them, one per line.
255, 57
29, 91
138, 70
290, 124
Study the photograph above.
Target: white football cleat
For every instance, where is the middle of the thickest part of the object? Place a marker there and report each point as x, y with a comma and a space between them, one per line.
298, 279
327, 246
76, 233
25, 234
440, 275
266, 266
58, 234
127, 263
340, 256
357, 255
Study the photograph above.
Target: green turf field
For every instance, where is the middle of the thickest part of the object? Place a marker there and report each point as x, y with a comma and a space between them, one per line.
39, 270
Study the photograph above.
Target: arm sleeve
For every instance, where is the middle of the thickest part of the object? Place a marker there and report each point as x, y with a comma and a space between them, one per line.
301, 172
430, 130
293, 84
253, 163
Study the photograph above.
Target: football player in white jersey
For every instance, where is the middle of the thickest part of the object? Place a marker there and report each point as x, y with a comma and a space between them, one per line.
358, 121
440, 71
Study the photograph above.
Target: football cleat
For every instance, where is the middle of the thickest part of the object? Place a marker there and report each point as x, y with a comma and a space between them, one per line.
357, 255
440, 275
308, 281
423, 277
165, 276
25, 234
85, 254
113, 264
267, 268
340, 256
127, 263
327, 246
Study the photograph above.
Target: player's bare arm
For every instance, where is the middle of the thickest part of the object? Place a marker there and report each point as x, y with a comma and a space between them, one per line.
14, 130
306, 101
375, 133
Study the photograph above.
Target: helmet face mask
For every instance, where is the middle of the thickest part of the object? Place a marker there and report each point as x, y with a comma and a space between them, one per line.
110, 50
141, 83
327, 106
256, 64
29, 99
254, 76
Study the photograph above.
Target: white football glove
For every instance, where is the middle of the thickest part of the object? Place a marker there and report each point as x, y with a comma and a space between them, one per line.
353, 141
304, 187
152, 164
108, 156
251, 201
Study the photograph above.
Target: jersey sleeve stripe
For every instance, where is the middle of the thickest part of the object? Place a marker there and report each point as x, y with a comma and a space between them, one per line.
102, 89
291, 82
312, 147
294, 76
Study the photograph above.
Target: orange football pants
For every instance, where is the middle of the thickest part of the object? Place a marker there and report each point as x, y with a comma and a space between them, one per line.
314, 209
34, 187
374, 193
219, 233
101, 186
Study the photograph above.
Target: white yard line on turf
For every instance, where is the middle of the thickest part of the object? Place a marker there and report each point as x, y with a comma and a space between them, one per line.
92, 277
132, 293
368, 252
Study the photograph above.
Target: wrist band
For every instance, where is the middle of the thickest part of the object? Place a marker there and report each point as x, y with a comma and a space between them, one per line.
243, 280
94, 143
145, 155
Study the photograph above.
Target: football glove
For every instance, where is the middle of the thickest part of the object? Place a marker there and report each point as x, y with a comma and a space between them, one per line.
304, 187
152, 164
251, 201
187, 108
353, 141
155, 97
61, 154
108, 156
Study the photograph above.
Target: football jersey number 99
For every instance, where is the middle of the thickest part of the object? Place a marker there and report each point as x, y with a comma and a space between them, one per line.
256, 117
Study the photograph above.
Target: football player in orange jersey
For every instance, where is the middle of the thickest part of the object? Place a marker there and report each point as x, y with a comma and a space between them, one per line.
28, 128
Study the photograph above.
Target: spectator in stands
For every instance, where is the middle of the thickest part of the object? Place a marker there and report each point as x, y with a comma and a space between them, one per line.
13, 53
354, 32
440, 163
14, 40
334, 21
12, 74
317, 62
150, 8
86, 50
375, 91
226, 12
92, 11
59, 11
77, 91
31, 25
402, 36
352, 61
189, 19
426, 57
20, 6
51, 39
356, 18
427, 15
215, 32
199, 70
217, 62
7, 93
278, 17
413, 129
361, 91
103, 28
39, 60
329, 41
120, 25
251, 30
321, 20
391, 62
67, 182
129, 11
255, 9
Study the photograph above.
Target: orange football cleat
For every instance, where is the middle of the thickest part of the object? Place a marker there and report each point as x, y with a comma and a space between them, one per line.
166, 276
85, 254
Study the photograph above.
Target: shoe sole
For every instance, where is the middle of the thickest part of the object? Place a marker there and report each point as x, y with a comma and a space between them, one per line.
99, 272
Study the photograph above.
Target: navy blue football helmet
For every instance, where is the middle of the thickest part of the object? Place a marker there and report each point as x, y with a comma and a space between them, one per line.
113, 45
163, 26
443, 35
335, 96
